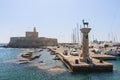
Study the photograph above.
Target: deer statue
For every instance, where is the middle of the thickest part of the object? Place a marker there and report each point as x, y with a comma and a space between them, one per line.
85, 23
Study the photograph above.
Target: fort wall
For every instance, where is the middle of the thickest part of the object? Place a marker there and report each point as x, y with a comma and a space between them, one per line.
28, 42
31, 40
32, 34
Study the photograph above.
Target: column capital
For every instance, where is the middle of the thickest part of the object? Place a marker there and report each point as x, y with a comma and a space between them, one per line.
85, 30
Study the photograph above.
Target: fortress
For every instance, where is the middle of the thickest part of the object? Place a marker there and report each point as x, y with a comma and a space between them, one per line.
31, 40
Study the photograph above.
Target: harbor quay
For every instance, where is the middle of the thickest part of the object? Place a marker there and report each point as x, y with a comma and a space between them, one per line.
83, 60
75, 63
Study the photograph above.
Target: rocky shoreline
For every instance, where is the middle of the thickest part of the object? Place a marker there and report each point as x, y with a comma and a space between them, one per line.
27, 56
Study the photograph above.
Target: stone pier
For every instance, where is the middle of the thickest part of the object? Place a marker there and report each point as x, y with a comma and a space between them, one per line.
85, 62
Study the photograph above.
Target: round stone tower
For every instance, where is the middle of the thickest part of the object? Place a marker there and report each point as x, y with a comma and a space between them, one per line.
85, 43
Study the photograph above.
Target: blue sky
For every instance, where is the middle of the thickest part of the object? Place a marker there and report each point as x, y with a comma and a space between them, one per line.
57, 18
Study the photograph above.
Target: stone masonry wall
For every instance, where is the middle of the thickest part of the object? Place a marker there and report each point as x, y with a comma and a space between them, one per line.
32, 34
27, 42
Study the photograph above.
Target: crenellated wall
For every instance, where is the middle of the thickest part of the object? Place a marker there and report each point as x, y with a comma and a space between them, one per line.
32, 34
29, 42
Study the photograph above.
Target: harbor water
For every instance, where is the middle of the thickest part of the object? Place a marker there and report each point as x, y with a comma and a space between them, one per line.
35, 70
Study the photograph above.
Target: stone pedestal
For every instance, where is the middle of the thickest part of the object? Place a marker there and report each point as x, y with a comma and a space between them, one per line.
85, 45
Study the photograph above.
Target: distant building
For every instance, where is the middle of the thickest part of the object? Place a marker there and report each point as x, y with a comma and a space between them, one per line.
31, 40
95, 41
33, 34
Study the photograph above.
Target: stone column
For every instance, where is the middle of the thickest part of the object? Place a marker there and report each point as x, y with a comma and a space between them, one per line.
85, 44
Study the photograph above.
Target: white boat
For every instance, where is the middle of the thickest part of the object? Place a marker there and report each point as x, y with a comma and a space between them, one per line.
114, 52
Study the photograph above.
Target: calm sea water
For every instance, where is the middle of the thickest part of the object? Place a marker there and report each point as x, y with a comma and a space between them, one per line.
11, 70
